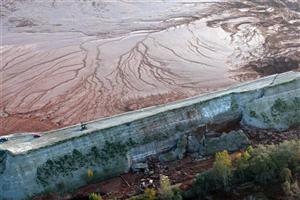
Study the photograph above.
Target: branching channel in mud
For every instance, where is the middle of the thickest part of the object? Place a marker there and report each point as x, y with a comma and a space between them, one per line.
63, 62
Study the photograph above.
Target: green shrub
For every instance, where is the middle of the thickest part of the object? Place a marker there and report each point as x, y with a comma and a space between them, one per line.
177, 194
204, 184
295, 188
263, 165
95, 196
216, 179
297, 172
286, 187
150, 194
166, 192
286, 175
279, 106
222, 171
241, 174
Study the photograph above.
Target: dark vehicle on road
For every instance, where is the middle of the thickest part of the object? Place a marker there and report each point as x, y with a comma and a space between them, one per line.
2, 140
36, 135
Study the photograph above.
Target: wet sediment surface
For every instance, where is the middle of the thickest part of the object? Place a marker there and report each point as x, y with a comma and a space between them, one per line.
63, 62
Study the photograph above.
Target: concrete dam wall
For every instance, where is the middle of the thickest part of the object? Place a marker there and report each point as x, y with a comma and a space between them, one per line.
59, 160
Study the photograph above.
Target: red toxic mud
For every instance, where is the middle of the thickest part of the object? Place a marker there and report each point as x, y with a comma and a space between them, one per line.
64, 62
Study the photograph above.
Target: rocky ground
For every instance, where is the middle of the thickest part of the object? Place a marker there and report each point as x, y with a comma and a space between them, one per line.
271, 137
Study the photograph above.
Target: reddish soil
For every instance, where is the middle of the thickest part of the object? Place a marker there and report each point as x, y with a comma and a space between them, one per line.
13, 124
181, 171
63, 62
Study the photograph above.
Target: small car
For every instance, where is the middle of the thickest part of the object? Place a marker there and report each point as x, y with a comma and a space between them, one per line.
36, 135
3, 139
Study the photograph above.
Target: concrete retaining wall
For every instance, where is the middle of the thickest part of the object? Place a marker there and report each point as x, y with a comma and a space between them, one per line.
60, 159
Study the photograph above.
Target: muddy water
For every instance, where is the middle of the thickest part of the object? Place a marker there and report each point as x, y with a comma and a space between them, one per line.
63, 62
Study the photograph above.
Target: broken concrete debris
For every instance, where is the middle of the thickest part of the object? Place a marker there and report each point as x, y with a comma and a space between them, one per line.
140, 167
232, 141
193, 144
176, 153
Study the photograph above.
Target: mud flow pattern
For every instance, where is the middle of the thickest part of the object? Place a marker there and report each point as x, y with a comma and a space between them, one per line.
66, 62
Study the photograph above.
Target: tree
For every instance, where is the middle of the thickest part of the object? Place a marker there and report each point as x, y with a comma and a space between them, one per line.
150, 194
262, 166
95, 196
90, 173
222, 170
286, 175
242, 164
165, 187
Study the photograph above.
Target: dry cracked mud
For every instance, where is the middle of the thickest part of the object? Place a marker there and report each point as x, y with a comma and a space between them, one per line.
63, 62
